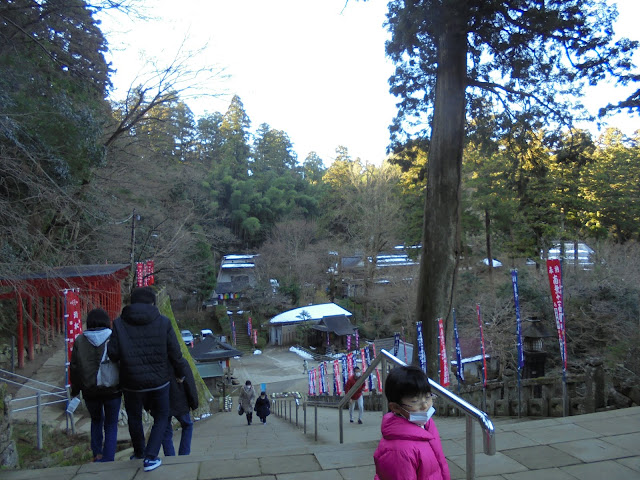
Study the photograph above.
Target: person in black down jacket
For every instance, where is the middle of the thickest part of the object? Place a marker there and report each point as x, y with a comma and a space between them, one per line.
183, 396
142, 341
103, 403
263, 407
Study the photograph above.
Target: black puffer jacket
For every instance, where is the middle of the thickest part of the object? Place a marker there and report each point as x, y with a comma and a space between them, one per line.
183, 396
85, 361
144, 343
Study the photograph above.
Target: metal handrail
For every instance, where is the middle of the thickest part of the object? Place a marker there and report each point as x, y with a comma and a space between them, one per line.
471, 413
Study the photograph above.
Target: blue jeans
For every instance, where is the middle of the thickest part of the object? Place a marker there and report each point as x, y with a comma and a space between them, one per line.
157, 402
185, 437
104, 415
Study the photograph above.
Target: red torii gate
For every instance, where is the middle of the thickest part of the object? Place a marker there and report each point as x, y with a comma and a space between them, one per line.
100, 286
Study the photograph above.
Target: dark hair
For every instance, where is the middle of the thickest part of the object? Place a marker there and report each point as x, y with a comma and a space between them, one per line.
356, 368
143, 295
405, 382
98, 318
248, 382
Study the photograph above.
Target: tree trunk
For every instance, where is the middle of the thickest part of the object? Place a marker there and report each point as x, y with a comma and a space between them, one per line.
442, 204
487, 233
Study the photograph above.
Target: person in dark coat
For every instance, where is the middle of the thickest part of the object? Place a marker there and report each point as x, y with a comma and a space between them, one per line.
183, 396
247, 400
142, 341
263, 407
103, 403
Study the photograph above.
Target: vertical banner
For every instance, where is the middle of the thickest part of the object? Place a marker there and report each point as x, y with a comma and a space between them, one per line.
516, 301
139, 274
367, 356
404, 344
150, 277
312, 387
345, 370
396, 344
378, 379
444, 361
249, 327
555, 283
484, 357
357, 335
348, 343
328, 340
145, 275
363, 357
460, 369
255, 336
323, 378
421, 353
337, 381
73, 322
350, 364
233, 331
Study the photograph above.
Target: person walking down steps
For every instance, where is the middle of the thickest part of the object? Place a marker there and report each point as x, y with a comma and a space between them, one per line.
183, 397
247, 400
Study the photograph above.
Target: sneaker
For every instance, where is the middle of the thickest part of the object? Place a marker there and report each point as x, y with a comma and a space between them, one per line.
351, 420
359, 422
151, 464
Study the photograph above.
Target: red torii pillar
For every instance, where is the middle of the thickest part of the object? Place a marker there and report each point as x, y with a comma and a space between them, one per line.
30, 327
20, 332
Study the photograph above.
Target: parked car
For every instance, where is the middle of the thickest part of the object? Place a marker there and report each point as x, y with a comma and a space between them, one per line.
187, 337
496, 263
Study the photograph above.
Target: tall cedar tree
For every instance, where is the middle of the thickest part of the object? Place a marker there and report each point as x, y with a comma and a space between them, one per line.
529, 56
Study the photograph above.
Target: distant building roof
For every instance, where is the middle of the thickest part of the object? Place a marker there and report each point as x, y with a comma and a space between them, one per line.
211, 349
388, 344
311, 312
338, 324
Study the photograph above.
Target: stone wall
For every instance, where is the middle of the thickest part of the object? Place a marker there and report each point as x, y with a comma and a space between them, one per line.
8, 450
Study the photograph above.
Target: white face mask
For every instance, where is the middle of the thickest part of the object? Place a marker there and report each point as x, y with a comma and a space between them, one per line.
421, 418
358, 374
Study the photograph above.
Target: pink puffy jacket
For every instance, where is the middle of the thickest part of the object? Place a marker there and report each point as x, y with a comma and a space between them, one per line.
409, 452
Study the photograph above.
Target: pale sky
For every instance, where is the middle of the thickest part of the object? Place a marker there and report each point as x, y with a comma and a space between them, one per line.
312, 68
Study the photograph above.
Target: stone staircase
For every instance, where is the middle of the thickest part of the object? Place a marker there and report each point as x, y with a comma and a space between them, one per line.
244, 343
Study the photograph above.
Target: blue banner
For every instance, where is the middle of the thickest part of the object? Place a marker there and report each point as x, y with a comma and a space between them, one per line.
345, 371
323, 379
396, 344
516, 301
368, 357
357, 334
233, 331
422, 356
460, 369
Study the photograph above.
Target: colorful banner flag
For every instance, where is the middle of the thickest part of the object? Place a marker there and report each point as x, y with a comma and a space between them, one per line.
350, 364
364, 367
233, 331
460, 369
312, 382
555, 283
348, 343
378, 379
484, 357
255, 336
516, 301
73, 322
345, 370
396, 344
422, 356
367, 356
328, 339
150, 277
139, 274
444, 362
357, 335
249, 327
337, 387
323, 378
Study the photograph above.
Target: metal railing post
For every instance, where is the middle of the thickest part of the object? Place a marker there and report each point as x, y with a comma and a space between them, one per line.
290, 421
297, 405
340, 412
315, 407
304, 414
470, 445
39, 421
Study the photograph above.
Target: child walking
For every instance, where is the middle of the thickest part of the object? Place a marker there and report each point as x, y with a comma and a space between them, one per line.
410, 448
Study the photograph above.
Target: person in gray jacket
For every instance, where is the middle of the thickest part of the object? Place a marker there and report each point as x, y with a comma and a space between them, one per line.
103, 403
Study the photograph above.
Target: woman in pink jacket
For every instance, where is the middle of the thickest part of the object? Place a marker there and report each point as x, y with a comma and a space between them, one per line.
410, 448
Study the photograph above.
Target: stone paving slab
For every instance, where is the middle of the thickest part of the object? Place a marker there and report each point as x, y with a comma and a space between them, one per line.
545, 474
629, 441
610, 426
344, 458
558, 433
632, 462
497, 464
365, 472
541, 457
229, 468
602, 470
289, 464
324, 475
594, 450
